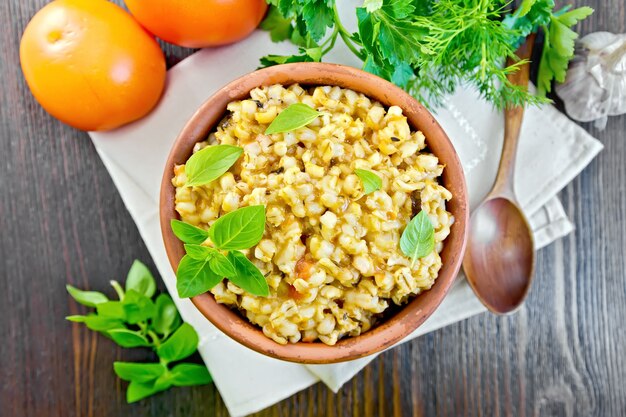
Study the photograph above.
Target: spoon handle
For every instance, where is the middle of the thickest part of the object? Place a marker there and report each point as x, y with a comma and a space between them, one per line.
504, 185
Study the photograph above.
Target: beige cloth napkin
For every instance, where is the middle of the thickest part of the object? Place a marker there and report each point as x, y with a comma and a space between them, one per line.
553, 150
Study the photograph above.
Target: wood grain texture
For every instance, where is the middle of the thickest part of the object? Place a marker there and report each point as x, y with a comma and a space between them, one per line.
62, 221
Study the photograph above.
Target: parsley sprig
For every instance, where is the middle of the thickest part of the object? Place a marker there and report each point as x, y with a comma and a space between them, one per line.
136, 320
430, 47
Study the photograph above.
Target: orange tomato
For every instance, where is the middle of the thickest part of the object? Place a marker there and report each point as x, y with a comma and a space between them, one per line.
198, 23
91, 65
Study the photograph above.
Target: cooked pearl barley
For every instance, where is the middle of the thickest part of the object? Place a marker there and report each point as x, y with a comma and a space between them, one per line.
330, 254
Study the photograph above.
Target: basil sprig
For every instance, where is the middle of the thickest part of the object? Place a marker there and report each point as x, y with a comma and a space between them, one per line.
418, 237
210, 163
371, 182
293, 117
202, 268
135, 320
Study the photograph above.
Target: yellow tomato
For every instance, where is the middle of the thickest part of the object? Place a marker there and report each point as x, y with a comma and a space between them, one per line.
91, 65
199, 23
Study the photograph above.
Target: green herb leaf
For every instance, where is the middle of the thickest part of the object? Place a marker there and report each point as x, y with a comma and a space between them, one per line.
181, 344
86, 298
217, 260
199, 252
418, 237
210, 163
371, 182
221, 265
372, 5
558, 47
128, 338
239, 229
98, 323
166, 318
114, 309
247, 277
306, 55
571, 17
188, 233
303, 40
317, 17
188, 374
138, 307
140, 279
139, 372
195, 277
293, 117
279, 27
137, 390
402, 75
525, 7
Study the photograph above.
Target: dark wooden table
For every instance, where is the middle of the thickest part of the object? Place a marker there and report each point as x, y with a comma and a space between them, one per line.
62, 221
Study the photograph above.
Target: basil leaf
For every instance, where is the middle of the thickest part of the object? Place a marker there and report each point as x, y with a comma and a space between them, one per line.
140, 279
139, 372
220, 264
217, 260
166, 318
195, 277
114, 309
293, 117
138, 307
181, 344
98, 323
188, 233
128, 338
210, 163
188, 374
239, 229
371, 182
137, 390
247, 277
86, 298
418, 237
199, 252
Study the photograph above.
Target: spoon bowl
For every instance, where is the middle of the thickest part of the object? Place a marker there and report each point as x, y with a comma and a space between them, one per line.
500, 248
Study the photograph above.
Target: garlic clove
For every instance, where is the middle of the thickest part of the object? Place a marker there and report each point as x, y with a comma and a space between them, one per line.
595, 85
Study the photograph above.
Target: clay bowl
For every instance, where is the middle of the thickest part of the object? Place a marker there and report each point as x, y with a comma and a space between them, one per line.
407, 318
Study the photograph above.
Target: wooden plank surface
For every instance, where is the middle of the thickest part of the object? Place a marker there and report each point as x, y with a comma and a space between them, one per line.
62, 221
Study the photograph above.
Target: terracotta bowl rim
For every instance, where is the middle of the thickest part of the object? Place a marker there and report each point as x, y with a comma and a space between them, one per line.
410, 316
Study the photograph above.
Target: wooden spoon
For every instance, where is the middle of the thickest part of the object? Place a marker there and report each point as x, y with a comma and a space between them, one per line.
500, 255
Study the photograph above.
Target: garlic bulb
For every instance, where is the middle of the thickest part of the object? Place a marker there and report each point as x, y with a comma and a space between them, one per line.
595, 85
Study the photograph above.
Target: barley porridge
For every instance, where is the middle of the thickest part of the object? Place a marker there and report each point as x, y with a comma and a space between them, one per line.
330, 253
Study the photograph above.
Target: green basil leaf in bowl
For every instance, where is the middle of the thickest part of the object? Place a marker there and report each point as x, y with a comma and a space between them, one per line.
239, 229
293, 117
210, 163
188, 233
